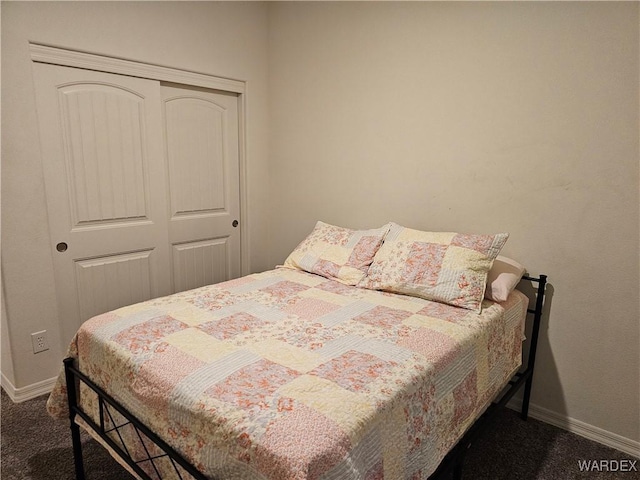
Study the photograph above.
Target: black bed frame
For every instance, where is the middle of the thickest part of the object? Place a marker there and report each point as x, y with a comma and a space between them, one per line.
451, 465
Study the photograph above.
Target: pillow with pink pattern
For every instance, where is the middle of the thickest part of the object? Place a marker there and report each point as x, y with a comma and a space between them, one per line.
337, 253
445, 267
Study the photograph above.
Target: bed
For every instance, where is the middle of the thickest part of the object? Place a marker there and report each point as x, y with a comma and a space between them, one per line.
315, 370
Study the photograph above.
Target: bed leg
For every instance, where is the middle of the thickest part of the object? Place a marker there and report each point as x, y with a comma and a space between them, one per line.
524, 412
77, 452
458, 467
75, 429
457, 472
533, 347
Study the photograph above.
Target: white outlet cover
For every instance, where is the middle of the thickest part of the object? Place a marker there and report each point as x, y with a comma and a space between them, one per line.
39, 341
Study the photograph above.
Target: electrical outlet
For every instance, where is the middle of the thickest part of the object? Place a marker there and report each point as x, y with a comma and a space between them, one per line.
39, 341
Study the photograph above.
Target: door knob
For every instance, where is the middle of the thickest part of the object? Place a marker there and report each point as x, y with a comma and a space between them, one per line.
235, 223
62, 247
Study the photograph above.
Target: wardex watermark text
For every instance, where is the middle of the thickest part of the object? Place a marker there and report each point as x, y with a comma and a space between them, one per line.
604, 465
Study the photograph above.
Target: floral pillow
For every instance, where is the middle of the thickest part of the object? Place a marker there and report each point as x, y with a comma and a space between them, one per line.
446, 267
337, 253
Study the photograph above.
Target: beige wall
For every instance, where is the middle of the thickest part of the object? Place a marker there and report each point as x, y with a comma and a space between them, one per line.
225, 39
479, 117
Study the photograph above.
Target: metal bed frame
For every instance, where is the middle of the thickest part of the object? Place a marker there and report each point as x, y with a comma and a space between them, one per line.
452, 464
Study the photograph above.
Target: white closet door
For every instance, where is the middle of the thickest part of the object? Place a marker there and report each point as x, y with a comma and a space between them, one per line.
201, 134
105, 177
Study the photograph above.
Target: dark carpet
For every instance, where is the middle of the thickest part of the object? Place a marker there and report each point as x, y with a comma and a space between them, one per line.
36, 447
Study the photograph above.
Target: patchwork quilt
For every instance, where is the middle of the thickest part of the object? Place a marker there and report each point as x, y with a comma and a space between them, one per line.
286, 375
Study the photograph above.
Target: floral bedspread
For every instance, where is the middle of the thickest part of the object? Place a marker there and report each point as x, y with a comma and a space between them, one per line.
287, 375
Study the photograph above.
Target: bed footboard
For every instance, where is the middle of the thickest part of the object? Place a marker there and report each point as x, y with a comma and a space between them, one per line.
108, 424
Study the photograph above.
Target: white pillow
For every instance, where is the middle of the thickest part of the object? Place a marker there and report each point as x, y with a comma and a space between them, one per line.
503, 277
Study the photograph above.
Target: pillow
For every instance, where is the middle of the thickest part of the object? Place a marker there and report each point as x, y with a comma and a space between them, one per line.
442, 266
337, 253
503, 278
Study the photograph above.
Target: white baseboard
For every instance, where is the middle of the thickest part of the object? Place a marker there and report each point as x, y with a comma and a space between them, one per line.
18, 395
578, 427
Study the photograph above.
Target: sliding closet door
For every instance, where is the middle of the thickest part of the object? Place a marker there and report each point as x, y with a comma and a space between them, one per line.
105, 176
201, 135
